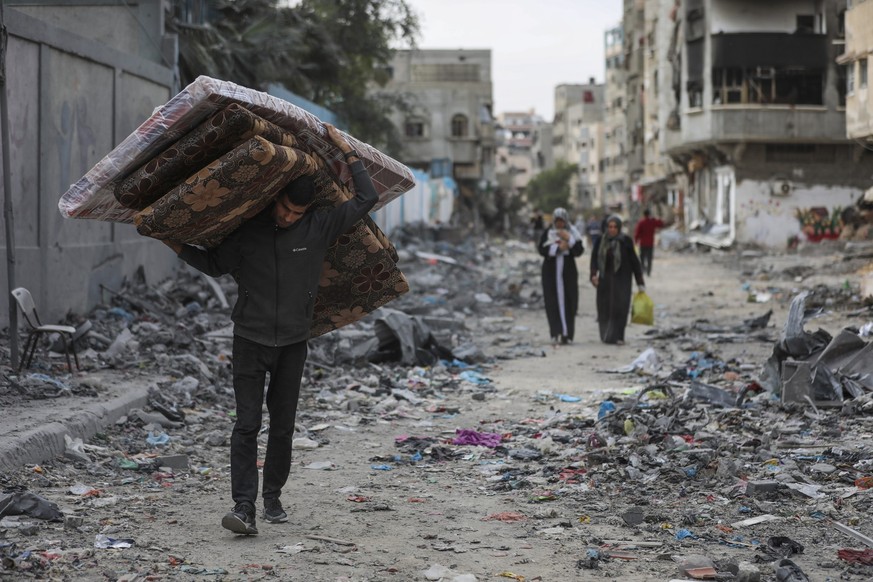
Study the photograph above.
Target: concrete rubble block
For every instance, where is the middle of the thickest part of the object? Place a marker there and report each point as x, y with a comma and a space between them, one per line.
180, 462
747, 572
762, 488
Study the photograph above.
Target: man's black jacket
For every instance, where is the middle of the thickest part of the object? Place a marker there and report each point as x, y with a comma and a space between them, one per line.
278, 269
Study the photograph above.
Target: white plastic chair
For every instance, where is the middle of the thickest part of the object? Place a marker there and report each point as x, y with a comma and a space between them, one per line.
28, 308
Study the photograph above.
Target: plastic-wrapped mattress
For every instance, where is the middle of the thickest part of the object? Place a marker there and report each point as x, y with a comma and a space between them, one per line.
216, 155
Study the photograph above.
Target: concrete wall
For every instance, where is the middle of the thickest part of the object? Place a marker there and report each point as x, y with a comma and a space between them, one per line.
761, 198
71, 100
771, 221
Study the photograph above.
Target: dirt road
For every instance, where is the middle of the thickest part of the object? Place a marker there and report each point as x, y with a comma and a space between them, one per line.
386, 496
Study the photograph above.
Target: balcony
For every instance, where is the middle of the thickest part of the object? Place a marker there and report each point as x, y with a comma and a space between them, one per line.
763, 87
762, 123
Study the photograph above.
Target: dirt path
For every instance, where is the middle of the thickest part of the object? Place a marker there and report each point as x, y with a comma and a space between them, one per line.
533, 510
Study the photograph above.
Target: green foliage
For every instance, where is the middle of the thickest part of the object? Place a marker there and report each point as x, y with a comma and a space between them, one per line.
328, 51
364, 31
551, 188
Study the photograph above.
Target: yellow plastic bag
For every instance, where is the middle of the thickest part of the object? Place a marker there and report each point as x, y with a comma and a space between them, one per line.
642, 309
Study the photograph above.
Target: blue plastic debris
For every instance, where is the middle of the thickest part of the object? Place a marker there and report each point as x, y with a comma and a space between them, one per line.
684, 534
125, 315
381, 467
606, 407
49, 380
474, 377
159, 439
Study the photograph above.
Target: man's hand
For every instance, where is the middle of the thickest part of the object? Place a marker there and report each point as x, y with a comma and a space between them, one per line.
339, 140
564, 245
595, 280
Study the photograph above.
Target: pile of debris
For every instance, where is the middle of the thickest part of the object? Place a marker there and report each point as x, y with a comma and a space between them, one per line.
701, 467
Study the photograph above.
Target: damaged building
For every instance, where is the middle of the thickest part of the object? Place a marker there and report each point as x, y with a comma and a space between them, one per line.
760, 121
448, 129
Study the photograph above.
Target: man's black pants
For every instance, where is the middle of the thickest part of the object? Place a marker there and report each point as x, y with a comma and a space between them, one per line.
251, 363
646, 255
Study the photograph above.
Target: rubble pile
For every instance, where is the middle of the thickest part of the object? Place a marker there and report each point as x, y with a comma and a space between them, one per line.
697, 469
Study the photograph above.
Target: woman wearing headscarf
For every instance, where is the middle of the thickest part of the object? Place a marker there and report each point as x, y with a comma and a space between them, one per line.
613, 262
559, 245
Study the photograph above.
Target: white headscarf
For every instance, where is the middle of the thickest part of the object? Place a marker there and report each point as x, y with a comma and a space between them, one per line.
552, 236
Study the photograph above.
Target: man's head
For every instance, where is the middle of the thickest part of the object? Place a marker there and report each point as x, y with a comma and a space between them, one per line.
293, 201
647, 213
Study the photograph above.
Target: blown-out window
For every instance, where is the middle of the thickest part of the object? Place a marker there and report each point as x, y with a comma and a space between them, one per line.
459, 126
414, 128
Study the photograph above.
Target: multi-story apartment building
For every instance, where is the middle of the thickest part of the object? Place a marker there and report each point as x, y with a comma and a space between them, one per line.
634, 45
762, 128
514, 137
855, 62
577, 130
541, 152
449, 128
657, 187
613, 162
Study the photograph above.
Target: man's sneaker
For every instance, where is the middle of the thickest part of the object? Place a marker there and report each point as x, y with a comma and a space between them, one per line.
273, 512
241, 520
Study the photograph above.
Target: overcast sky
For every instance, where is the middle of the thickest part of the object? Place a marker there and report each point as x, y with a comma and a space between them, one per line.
535, 44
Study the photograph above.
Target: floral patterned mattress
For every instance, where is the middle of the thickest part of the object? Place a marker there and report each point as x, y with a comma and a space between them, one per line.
216, 155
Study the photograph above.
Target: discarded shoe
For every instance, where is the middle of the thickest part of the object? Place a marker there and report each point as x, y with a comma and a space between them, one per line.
788, 571
241, 520
273, 512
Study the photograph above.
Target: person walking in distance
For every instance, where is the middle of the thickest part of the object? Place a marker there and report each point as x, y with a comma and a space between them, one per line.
613, 263
276, 260
644, 236
559, 247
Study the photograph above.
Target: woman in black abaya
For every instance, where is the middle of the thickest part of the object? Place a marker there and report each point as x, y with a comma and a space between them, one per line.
559, 245
613, 263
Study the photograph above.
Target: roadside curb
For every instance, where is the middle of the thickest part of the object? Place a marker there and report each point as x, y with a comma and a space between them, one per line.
47, 441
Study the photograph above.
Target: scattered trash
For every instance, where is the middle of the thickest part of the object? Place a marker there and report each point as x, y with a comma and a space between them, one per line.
26, 503
105, 542
321, 466
856, 556
471, 437
788, 571
691, 452
157, 440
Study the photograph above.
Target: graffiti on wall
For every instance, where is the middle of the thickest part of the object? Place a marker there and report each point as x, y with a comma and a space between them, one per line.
818, 223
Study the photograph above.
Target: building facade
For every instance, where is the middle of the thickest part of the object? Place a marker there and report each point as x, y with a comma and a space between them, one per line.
762, 128
514, 138
613, 161
577, 139
448, 129
635, 50
855, 63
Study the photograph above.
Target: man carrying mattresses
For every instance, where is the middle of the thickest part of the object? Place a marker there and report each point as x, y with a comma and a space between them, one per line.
276, 260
